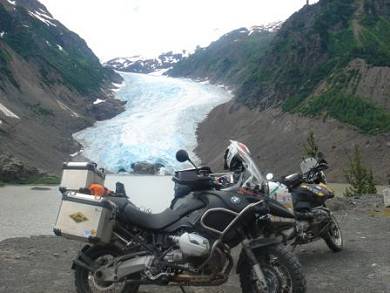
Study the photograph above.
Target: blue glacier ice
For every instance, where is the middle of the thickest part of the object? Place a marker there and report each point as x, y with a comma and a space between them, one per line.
161, 117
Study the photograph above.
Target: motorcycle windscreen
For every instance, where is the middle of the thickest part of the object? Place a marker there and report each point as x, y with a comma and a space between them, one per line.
308, 164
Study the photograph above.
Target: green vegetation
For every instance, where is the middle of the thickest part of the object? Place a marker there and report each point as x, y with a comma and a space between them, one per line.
367, 37
4, 69
352, 110
35, 180
39, 43
41, 111
314, 47
43, 180
229, 59
360, 178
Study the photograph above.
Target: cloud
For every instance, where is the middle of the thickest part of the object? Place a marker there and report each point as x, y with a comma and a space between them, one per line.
148, 27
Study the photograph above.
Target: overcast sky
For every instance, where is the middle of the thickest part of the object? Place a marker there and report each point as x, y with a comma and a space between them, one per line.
117, 28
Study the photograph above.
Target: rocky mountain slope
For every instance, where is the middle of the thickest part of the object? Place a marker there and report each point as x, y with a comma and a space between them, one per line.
327, 69
49, 80
229, 59
139, 64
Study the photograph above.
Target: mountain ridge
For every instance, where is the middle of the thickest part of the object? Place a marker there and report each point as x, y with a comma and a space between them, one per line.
146, 65
328, 64
49, 80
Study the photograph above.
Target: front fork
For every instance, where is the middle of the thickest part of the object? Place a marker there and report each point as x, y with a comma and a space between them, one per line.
255, 264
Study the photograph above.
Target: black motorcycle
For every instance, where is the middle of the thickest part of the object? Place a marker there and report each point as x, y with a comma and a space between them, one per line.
188, 245
310, 192
303, 194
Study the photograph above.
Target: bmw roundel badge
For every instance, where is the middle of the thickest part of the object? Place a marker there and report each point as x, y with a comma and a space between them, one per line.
235, 200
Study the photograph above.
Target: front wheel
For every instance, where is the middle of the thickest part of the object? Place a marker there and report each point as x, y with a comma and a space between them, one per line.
333, 237
87, 282
281, 269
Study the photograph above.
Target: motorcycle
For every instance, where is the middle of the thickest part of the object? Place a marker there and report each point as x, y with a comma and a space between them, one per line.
303, 194
186, 245
309, 192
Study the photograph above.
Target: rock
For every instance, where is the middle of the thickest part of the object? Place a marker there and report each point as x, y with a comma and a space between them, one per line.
386, 197
13, 170
146, 168
107, 109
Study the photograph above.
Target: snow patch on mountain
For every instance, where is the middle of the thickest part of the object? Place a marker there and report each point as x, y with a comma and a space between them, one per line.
141, 64
98, 101
271, 27
7, 112
42, 17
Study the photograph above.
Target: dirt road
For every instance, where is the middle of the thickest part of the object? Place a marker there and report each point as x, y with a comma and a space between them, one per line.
42, 264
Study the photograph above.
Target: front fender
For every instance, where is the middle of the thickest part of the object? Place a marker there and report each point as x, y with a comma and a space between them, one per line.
255, 245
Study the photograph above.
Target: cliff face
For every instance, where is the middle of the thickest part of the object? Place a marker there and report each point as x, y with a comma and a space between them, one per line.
326, 69
49, 79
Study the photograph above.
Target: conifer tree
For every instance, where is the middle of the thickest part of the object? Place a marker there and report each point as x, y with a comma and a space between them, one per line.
360, 178
311, 148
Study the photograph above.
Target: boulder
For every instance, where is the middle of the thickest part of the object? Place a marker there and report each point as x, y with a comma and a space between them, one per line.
12, 170
386, 197
146, 168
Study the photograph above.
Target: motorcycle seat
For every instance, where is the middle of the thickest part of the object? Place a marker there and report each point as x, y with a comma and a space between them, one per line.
131, 214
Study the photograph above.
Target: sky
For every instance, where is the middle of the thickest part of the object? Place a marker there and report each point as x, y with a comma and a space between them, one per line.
121, 28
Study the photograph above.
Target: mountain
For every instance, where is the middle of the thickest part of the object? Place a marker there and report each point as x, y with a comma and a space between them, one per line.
229, 59
49, 80
327, 69
139, 64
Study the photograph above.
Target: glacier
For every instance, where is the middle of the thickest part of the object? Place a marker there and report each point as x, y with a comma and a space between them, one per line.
161, 117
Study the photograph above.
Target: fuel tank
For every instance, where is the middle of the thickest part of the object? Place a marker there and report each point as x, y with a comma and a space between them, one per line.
219, 215
307, 196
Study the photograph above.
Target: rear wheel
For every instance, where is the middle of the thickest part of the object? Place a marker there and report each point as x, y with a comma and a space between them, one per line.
281, 269
87, 282
333, 237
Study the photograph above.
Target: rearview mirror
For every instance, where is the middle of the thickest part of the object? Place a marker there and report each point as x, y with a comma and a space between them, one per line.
269, 176
182, 156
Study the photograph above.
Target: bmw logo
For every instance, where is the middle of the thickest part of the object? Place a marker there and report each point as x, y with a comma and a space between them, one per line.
235, 200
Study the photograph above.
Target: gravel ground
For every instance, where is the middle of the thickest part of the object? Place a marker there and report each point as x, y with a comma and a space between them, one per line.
42, 264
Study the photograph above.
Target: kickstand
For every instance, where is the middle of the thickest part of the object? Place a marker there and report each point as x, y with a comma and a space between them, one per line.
182, 289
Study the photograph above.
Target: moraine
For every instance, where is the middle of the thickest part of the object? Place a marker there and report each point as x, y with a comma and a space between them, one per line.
161, 116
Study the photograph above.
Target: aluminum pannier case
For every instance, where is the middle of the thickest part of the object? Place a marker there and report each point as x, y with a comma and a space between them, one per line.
85, 217
78, 175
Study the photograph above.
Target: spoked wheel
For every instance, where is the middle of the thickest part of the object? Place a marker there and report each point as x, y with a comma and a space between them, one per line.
282, 271
88, 282
334, 237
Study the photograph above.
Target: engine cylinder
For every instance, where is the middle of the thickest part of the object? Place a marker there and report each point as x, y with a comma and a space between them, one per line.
192, 244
